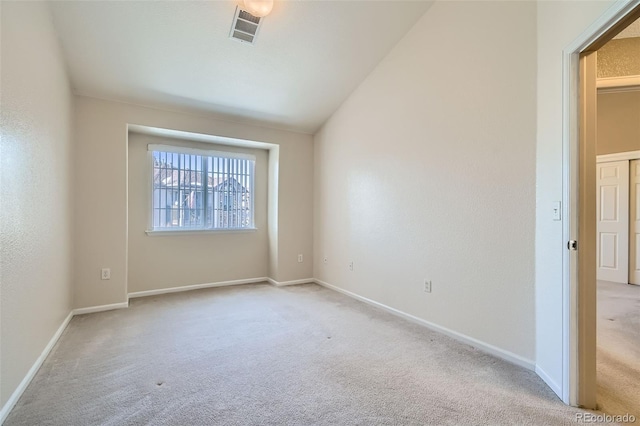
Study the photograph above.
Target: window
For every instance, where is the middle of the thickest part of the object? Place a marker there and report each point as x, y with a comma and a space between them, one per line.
200, 190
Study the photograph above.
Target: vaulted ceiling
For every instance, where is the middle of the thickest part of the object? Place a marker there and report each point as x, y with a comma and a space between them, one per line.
308, 56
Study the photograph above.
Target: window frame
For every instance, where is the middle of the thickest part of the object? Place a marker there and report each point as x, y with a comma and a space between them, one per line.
187, 230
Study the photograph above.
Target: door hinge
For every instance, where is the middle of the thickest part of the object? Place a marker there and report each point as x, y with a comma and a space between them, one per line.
572, 245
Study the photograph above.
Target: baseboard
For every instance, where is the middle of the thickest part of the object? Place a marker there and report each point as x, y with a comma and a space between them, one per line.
101, 308
500, 353
197, 287
292, 282
548, 380
15, 396
485, 347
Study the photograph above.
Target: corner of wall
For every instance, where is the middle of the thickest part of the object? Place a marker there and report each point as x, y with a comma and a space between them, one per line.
272, 210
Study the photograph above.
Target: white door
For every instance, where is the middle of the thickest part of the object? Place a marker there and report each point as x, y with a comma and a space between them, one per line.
613, 221
634, 223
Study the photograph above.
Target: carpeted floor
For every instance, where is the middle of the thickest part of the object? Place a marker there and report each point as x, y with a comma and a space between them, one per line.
618, 355
261, 355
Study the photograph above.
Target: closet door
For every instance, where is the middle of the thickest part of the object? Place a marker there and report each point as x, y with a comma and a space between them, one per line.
634, 223
613, 221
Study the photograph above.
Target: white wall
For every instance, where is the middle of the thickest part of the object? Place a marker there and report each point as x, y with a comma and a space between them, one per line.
559, 24
35, 230
164, 261
101, 192
428, 171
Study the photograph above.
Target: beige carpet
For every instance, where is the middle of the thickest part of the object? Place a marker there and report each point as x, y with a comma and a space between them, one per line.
261, 355
618, 355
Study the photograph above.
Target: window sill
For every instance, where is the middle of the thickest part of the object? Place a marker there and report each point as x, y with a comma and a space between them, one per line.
181, 232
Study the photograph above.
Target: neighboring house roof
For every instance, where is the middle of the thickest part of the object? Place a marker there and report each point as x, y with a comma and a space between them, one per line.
189, 179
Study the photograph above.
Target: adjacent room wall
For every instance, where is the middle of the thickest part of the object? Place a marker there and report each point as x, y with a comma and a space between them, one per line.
618, 122
101, 192
164, 261
427, 171
619, 58
559, 23
36, 214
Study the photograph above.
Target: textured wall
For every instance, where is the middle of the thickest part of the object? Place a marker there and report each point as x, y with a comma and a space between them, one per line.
427, 171
101, 192
618, 122
164, 261
35, 230
619, 57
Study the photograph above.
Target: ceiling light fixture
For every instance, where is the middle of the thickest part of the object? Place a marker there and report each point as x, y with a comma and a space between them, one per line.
259, 8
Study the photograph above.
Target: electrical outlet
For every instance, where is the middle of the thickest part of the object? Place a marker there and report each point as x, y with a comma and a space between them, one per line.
105, 274
351, 266
427, 286
300, 258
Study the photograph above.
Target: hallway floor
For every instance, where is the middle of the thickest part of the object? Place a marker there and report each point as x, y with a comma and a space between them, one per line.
618, 355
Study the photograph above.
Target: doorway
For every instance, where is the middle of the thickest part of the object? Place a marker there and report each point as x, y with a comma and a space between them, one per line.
580, 259
618, 260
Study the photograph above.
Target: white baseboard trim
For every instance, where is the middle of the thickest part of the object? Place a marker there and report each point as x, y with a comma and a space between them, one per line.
500, 353
101, 308
197, 287
548, 380
485, 347
15, 396
292, 282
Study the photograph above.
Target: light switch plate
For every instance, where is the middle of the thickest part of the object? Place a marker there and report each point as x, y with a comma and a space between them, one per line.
557, 210
105, 274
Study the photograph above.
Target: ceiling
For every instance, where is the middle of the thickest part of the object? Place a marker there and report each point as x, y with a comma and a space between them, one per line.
308, 57
632, 30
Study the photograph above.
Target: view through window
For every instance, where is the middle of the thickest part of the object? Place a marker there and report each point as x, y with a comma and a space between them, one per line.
201, 190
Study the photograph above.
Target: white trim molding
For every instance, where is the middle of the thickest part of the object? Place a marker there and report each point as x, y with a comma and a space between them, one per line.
630, 83
618, 156
101, 308
198, 137
197, 287
548, 380
292, 282
15, 396
484, 347
185, 231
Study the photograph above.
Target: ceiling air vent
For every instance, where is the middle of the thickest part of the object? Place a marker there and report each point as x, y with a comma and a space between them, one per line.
245, 26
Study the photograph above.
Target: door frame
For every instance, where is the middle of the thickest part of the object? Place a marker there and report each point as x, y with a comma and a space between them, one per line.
578, 387
618, 156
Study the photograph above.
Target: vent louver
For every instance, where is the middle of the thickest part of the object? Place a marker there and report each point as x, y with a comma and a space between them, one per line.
245, 26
